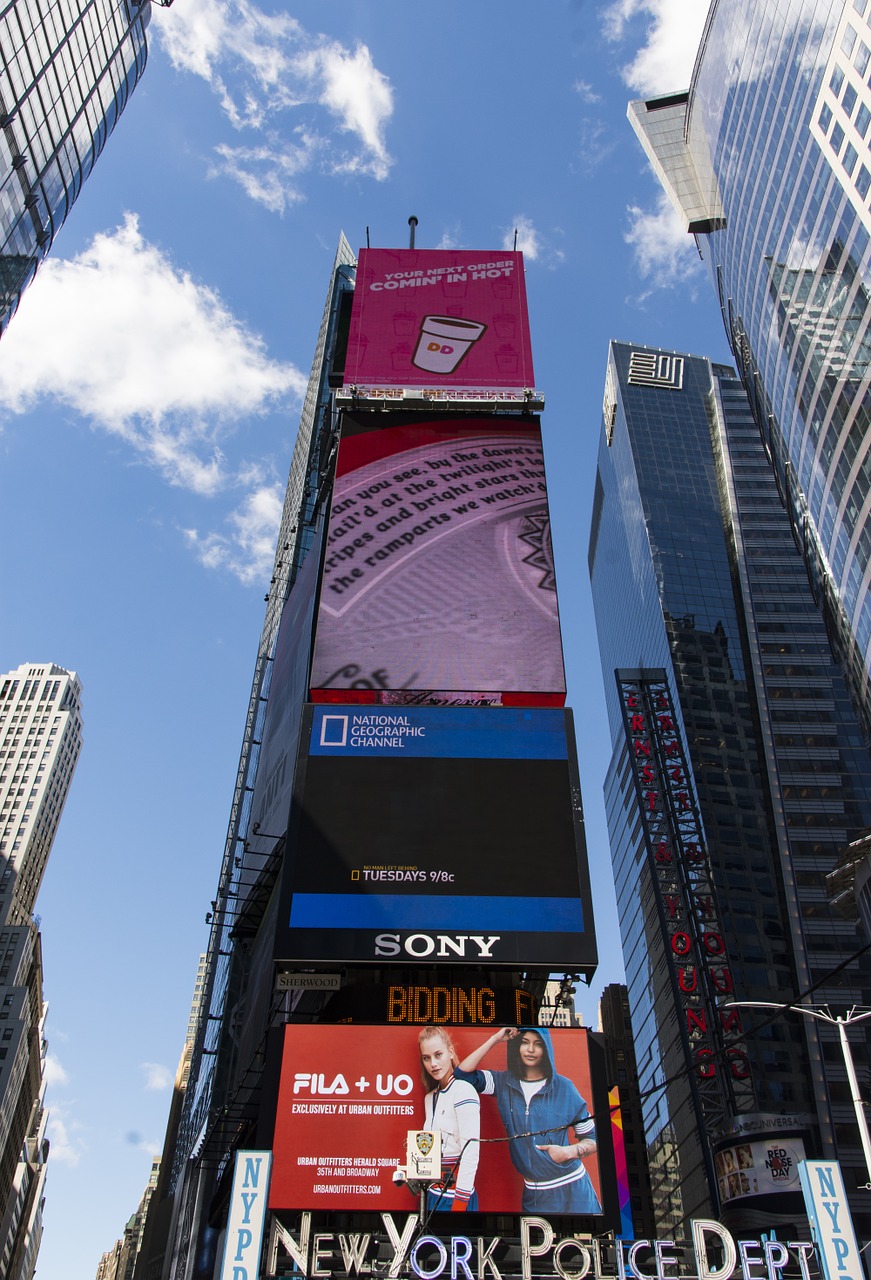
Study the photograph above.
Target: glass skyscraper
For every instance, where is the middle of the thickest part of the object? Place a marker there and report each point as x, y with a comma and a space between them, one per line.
67, 68
738, 775
768, 158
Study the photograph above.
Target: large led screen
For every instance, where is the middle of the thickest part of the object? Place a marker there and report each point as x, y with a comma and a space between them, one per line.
447, 835
439, 318
438, 581
349, 1095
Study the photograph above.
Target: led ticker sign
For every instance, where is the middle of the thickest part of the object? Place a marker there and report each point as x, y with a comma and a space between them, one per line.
437, 834
712, 1035
427, 1003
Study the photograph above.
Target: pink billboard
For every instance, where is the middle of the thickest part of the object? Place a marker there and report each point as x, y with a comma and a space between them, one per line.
439, 318
438, 582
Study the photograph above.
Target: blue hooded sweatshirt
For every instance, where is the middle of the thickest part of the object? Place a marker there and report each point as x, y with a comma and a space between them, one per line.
554, 1110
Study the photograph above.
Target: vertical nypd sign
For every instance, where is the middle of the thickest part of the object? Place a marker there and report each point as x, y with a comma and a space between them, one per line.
247, 1212
829, 1215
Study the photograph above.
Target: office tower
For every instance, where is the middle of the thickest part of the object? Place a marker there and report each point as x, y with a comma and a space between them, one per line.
615, 1024
157, 1223
66, 73
40, 740
375, 879
767, 159
119, 1262
738, 775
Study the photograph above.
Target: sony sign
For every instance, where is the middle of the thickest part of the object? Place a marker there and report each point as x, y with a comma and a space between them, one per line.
442, 946
712, 1254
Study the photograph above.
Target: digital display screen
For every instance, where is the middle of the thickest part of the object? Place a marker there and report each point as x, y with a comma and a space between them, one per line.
438, 580
445, 834
439, 318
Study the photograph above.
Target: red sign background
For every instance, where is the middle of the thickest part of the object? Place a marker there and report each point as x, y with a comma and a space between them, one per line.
337, 1150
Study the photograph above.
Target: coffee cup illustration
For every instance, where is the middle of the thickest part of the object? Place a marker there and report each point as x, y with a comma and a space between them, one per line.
444, 342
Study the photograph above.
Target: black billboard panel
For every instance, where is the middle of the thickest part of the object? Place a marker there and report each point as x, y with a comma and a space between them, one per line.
447, 835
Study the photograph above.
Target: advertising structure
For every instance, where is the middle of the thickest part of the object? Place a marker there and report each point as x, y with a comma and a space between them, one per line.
759, 1168
447, 835
438, 580
828, 1211
440, 320
270, 803
348, 1097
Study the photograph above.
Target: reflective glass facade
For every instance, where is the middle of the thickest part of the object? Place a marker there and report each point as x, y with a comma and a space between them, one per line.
67, 68
776, 131
696, 575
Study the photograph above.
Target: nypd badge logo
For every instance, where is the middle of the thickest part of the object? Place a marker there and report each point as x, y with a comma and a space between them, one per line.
424, 1143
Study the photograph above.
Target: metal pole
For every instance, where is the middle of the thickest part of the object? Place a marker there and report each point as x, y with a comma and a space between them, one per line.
858, 1104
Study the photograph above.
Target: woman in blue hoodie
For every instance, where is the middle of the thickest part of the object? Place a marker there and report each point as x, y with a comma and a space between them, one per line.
538, 1109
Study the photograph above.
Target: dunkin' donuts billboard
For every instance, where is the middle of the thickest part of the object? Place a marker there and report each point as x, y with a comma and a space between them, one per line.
438, 583
439, 318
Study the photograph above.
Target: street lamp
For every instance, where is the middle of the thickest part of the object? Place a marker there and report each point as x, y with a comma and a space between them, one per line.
823, 1015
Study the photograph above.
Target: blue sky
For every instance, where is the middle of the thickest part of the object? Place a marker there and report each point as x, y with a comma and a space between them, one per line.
149, 396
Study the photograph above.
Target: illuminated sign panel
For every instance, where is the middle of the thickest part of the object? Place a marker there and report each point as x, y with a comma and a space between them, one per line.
419, 1004
439, 319
438, 580
349, 1095
438, 834
712, 1034
828, 1211
244, 1235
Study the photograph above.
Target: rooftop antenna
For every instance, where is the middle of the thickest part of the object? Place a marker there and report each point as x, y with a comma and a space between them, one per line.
367, 238
412, 222
515, 239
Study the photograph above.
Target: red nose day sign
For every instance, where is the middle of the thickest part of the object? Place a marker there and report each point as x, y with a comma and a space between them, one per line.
439, 318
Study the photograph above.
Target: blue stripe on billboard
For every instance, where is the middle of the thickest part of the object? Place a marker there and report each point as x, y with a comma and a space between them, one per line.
427, 911
483, 733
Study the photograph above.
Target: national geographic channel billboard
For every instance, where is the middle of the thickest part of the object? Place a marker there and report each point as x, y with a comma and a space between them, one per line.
438, 580
348, 1096
439, 319
447, 835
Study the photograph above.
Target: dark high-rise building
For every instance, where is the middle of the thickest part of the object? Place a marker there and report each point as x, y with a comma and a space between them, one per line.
768, 159
66, 73
406, 846
738, 775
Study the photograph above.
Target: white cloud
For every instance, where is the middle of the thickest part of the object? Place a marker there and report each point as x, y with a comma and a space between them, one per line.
157, 1077
267, 173
361, 97
530, 242
54, 1073
64, 1135
664, 253
672, 32
143, 351
247, 549
260, 65
586, 91
527, 237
